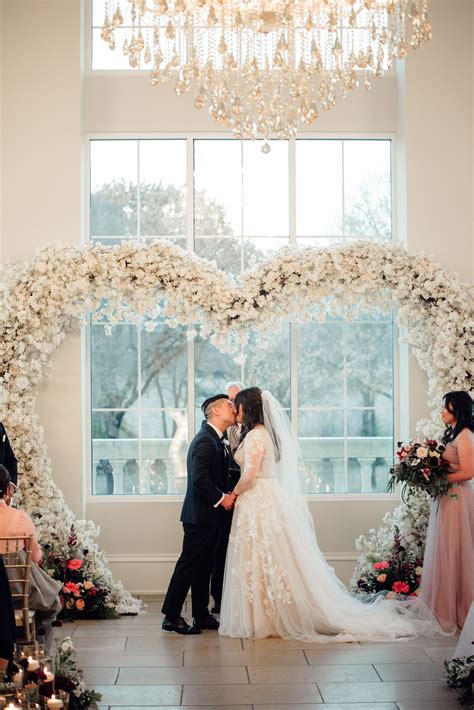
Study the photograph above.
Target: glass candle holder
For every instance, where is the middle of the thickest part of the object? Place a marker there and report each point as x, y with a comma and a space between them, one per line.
8, 693
47, 677
64, 696
29, 696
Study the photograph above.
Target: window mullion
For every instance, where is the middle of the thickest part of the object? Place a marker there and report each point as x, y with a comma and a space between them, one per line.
190, 242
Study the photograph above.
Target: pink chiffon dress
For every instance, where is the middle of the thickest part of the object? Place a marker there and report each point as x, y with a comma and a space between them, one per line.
447, 583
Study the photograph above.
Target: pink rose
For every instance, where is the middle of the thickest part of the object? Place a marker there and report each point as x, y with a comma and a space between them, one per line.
381, 578
401, 587
74, 564
381, 565
72, 588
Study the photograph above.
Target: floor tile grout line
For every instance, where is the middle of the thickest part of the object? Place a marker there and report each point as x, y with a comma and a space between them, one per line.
320, 693
375, 669
248, 674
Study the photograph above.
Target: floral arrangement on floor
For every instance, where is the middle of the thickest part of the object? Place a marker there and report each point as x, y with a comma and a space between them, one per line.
459, 674
71, 679
399, 543
25, 685
84, 594
44, 298
399, 573
421, 467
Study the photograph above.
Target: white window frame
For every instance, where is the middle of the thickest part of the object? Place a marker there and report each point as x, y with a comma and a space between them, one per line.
400, 363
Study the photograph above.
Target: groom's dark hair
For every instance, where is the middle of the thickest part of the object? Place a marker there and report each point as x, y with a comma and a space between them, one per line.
206, 406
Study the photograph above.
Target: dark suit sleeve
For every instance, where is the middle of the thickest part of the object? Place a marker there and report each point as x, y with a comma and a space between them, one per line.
202, 462
9, 460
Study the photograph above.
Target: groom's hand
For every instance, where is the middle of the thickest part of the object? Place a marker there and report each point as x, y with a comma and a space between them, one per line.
227, 502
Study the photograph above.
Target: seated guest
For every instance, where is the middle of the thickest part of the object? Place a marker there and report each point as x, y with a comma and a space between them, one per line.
7, 457
7, 616
44, 591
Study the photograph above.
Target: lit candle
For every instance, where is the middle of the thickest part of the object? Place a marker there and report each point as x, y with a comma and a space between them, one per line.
33, 664
55, 703
49, 676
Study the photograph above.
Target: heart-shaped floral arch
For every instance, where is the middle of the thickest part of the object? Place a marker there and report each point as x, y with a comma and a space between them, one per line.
48, 296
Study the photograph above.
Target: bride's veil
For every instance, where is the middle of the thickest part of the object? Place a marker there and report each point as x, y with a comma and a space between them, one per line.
290, 469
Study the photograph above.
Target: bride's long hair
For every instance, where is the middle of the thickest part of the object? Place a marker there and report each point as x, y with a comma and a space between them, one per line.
252, 413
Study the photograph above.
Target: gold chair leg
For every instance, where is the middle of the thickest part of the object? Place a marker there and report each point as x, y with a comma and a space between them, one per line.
26, 626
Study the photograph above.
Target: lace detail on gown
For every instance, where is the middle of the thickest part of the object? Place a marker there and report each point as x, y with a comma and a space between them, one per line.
277, 582
258, 523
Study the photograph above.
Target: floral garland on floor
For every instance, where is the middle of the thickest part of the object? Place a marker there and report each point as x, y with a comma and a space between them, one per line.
46, 297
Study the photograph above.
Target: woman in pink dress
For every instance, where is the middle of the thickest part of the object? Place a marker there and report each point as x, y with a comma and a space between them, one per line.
447, 584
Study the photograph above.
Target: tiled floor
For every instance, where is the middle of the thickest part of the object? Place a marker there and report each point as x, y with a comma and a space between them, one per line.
133, 663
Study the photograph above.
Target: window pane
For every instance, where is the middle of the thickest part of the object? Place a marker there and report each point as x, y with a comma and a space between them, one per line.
257, 249
320, 365
105, 58
269, 367
266, 190
344, 370
225, 251
114, 367
213, 370
164, 367
370, 422
113, 206
369, 364
162, 187
164, 449
218, 192
318, 187
114, 424
367, 189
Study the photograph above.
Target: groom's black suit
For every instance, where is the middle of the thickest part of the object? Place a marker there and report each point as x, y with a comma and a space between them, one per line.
208, 471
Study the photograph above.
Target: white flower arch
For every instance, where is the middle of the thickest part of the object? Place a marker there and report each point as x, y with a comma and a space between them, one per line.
44, 298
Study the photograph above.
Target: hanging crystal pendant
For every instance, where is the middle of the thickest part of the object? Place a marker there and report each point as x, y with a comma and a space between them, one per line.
263, 67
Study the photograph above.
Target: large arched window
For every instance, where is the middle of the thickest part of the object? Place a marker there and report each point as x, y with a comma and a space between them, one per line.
229, 202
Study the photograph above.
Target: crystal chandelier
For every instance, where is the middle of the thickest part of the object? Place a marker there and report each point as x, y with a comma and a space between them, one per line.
264, 66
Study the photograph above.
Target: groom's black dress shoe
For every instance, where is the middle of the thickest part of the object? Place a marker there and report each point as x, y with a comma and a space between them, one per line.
216, 609
179, 625
209, 622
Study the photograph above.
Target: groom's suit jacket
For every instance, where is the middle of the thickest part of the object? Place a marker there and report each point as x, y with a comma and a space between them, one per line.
208, 472
7, 457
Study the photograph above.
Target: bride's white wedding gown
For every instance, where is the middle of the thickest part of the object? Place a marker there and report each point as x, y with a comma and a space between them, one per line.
277, 582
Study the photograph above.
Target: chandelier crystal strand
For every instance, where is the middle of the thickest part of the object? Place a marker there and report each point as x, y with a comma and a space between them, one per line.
264, 67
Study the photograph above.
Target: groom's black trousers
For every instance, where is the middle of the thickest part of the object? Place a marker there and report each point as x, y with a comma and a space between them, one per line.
193, 571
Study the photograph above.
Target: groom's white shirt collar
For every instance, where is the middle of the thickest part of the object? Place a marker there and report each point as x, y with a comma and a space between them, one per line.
218, 431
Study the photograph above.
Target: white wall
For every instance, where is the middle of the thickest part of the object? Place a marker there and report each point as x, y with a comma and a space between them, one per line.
44, 122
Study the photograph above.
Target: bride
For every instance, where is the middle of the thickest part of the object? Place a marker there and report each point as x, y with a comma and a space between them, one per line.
277, 582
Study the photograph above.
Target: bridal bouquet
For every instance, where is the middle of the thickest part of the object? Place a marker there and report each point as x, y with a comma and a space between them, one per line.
421, 467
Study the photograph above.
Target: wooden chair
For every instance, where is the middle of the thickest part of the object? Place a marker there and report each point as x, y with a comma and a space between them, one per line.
16, 552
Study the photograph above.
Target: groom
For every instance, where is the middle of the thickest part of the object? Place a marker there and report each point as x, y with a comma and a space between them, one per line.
202, 516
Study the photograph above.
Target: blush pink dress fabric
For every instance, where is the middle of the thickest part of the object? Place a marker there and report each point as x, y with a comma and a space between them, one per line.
447, 584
